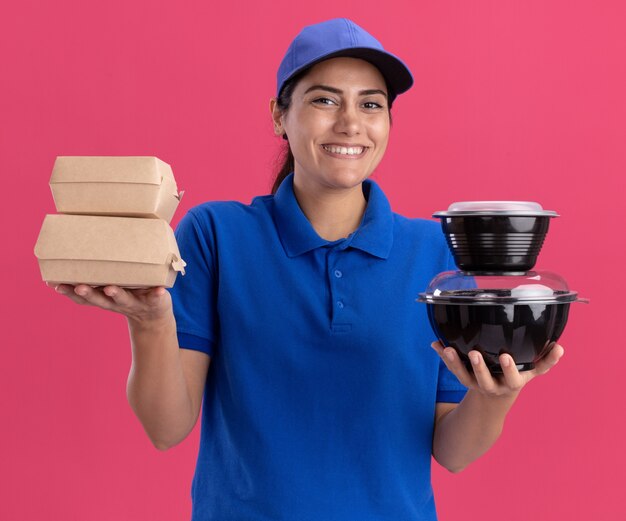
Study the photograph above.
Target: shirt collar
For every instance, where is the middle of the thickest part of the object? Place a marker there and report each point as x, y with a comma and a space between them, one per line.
374, 235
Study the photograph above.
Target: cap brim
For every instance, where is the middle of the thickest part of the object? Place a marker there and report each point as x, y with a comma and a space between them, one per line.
397, 75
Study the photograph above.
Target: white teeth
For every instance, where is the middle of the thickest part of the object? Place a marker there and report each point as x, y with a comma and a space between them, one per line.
351, 151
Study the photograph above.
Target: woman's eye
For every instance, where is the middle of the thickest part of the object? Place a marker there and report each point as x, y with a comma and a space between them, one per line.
323, 100
368, 104
373, 105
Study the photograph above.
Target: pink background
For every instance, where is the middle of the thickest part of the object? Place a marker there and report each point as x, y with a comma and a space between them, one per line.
513, 100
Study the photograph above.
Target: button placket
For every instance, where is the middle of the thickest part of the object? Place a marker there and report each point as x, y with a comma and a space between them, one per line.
336, 277
338, 274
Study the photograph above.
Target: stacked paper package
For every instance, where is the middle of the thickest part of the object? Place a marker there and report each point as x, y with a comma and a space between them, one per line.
113, 223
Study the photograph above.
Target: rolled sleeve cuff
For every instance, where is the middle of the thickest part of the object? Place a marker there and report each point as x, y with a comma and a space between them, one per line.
451, 396
189, 341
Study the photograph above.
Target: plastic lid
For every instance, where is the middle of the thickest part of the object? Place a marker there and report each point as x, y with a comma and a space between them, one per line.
527, 208
458, 287
488, 206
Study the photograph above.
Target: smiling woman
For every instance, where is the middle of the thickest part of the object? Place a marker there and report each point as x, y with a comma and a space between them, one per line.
296, 324
331, 408
337, 125
332, 108
381, 102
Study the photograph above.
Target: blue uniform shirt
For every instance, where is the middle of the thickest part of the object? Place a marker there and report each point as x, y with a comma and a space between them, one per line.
320, 398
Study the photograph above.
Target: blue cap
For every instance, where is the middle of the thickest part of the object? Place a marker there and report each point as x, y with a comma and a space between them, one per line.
342, 37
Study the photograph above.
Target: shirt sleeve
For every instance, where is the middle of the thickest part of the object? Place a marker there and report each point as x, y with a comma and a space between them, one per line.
194, 294
449, 389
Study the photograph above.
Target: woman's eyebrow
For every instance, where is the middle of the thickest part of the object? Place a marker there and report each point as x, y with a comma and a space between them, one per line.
366, 92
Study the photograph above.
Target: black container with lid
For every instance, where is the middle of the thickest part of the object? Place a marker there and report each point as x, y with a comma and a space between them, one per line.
495, 304
495, 235
522, 315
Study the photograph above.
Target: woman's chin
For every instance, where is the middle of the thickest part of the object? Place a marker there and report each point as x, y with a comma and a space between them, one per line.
346, 179
333, 178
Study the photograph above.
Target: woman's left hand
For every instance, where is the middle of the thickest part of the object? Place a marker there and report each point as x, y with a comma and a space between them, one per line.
510, 383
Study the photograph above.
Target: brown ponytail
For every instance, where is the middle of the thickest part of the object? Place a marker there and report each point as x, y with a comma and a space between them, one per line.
286, 168
286, 156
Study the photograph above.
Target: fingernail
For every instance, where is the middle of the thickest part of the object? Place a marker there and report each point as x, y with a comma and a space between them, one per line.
433, 345
60, 290
474, 358
449, 355
81, 292
506, 361
112, 292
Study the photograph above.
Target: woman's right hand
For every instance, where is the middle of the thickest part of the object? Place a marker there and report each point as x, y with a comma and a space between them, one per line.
144, 305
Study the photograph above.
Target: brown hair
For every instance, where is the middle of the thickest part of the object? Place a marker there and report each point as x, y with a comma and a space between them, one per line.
285, 158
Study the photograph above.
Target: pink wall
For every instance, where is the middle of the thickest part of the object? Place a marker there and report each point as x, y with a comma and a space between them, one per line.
513, 100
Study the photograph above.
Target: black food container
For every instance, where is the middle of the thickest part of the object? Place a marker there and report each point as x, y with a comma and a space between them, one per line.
523, 315
495, 236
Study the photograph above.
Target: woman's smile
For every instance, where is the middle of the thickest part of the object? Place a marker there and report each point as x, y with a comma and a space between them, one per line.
345, 151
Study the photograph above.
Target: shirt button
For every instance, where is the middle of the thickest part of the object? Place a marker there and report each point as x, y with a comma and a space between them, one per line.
340, 304
338, 274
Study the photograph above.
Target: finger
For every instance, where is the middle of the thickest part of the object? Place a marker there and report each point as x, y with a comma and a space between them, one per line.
63, 288
454, 363
437, 346
512, 377
94, 296
157, 293
483, 376
121, 297
68, 291
153, 298
134, 300
550, 360
141, 302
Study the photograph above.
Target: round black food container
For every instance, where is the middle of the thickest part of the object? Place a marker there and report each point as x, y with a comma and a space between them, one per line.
523, 316
495, 236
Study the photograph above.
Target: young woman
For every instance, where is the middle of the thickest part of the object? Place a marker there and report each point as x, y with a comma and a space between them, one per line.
296, 323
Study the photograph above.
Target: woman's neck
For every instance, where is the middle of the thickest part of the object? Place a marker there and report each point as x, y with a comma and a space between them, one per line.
334, 214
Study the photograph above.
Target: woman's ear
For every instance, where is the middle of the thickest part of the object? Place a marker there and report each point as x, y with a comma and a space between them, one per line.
276, 117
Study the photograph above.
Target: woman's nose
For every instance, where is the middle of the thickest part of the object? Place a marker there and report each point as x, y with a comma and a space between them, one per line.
348, 121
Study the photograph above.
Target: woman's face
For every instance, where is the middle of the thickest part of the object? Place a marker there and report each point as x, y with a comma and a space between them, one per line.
337, 123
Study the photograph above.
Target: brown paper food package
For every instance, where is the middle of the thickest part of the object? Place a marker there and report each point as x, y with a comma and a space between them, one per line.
101, 250
130, 186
